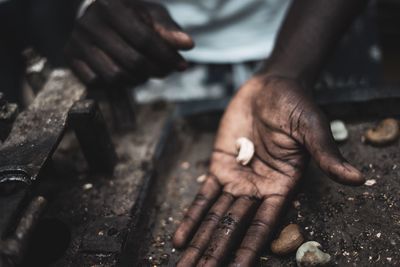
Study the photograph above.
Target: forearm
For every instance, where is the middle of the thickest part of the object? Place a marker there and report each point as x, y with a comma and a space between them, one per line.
308, 34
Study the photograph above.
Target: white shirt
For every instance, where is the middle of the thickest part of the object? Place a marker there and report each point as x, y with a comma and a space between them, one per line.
229, 31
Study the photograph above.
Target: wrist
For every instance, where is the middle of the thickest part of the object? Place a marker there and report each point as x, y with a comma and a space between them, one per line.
267, 75
306, 76
294, 65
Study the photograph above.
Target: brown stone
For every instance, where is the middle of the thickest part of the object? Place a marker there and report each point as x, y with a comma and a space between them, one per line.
288, 240
387, 131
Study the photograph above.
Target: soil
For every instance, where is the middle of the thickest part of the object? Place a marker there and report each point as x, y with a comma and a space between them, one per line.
356, 226
129, 219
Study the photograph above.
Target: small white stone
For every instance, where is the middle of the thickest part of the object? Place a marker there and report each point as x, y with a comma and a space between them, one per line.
378, 235
87, 186
245, 150
370, 182
201, 179
339, 131
296, 204
310, 254
185, 165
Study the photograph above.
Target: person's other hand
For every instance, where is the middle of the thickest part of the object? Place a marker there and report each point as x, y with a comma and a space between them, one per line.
128, 41
238, 206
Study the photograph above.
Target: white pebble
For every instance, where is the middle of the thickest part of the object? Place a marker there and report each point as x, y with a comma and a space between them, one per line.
201, 179
370, 182
339, 130
87, 186
310, 254
245, 150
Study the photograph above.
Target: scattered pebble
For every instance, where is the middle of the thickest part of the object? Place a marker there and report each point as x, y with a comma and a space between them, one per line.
310, 254
384, 133
296, 204
339, 131
264, 260
201, 179
370, 182
378, 235
87, 186
185, 165
289, 239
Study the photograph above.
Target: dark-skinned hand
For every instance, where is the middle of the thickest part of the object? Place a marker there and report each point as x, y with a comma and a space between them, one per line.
238, 206
126, 40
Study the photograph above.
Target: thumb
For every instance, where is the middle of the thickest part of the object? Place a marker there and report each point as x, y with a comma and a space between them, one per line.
322, 147
168, 29
173, 34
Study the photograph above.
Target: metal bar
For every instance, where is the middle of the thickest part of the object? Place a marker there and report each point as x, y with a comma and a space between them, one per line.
92, 133
122, 108
34, 136
37, 131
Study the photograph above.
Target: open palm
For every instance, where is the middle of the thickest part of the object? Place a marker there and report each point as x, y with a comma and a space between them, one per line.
238, 206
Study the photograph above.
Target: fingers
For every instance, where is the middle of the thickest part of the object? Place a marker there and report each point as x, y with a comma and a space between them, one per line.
257, 235
322, 147
203, 235
139, 34
228, 231
170, 31
84, 72
166, 27
120, 51
95, 58
201, 204
176, 38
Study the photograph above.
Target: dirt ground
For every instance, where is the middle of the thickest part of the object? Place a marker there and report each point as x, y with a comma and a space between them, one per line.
356, 226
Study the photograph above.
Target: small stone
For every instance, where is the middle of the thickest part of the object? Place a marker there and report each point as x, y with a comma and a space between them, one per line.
310, 254
185, 165
296, 204
245, 150
378, 235
164, 257
201, 179
289, 239
339, 131
386, 132
87, 186
370, 182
